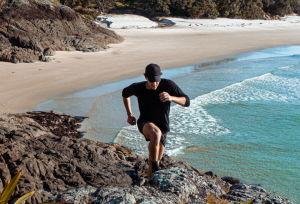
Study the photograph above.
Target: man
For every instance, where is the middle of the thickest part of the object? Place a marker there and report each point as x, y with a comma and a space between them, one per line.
154, 98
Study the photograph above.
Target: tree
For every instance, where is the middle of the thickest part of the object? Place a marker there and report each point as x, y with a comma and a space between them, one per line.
204, 9
103, 4
295, 4
229, 8
252, 9
152, 7
282, 7
181, 7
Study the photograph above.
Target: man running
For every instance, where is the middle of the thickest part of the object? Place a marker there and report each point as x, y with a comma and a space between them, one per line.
154, 98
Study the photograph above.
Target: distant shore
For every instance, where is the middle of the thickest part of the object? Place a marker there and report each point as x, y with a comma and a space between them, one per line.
24, 86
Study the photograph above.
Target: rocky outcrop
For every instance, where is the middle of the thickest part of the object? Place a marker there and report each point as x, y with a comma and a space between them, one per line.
20, 128
253, 194
174, 185
273, 17
33, 29
76, 170
59, 124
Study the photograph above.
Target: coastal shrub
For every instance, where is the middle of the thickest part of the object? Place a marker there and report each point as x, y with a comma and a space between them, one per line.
266, 6
162, 6
229, 8
88, 13
152, 7
119, 4
252, 9
9, 189
180, 7
188, 8
248, 9
204, 9
295, 4
282, 7
212, 199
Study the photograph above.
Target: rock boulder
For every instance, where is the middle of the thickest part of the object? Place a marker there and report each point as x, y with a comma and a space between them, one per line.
30, 29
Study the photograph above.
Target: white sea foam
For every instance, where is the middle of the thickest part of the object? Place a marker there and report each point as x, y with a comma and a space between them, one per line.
294, 68
196, 120
132, 138
268, 87
184, 121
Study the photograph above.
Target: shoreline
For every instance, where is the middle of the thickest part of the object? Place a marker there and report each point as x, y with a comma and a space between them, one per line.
24, 86
85, 97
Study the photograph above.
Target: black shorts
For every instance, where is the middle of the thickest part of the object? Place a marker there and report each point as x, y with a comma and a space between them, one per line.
141, 126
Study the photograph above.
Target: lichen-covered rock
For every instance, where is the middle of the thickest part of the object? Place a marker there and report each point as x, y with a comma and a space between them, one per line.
174, 185
109, 194
185, 183
253, 194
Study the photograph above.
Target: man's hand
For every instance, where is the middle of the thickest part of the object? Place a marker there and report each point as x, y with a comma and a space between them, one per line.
164, 96
131, 120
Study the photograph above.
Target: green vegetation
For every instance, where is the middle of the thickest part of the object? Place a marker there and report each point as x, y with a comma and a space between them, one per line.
9, 189
246, 9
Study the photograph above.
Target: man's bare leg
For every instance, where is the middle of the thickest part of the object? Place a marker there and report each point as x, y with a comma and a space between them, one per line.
153, 133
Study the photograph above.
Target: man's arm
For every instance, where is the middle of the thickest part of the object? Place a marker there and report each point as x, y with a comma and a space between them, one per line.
164, 96
131, 119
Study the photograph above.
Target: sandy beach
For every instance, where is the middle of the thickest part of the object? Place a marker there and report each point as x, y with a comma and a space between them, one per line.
23, 86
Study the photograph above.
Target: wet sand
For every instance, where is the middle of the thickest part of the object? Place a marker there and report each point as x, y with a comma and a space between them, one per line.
23, 86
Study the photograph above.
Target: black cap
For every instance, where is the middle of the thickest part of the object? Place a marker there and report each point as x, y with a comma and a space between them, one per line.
153, 72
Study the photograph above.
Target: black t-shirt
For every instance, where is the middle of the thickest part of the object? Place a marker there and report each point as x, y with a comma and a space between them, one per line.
151, 107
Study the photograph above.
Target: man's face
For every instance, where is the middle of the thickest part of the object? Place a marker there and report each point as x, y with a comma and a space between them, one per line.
152, 85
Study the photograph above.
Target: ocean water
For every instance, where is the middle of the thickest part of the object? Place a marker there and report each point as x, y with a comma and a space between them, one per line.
243, 120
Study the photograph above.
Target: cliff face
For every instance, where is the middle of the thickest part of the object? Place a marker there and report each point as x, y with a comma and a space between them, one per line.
31, 29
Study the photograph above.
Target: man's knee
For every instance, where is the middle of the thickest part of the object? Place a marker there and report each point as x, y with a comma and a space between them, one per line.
155, 136
153, 133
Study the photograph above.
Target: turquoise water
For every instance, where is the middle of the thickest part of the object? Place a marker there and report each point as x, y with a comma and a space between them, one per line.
243, 120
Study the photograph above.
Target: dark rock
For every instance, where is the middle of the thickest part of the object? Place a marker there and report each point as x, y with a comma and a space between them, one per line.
59, 125
171, 189
239, 187
31, 30
58, 163
49, 52
186, 183
253, 194
231, 180
109, 194
141, 181
43, 58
